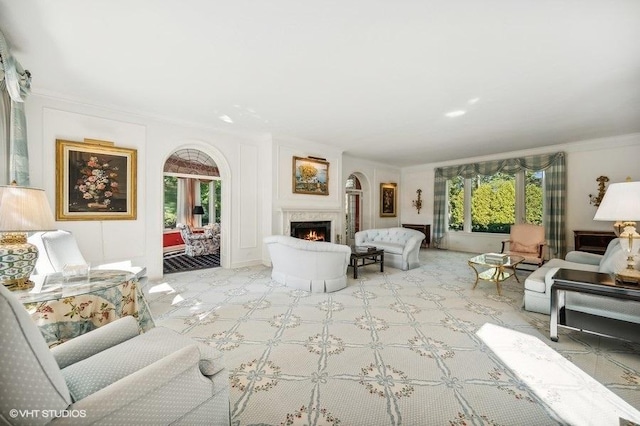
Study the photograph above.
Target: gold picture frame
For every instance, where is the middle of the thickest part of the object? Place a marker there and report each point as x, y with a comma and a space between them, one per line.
388, 199
95, 181
310, 176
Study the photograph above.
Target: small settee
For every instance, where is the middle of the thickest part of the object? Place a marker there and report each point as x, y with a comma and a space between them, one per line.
401, 245
537, 286
308, 265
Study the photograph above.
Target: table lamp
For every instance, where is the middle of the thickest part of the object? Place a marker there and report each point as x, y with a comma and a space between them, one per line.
621, 203
198, 210
22, 210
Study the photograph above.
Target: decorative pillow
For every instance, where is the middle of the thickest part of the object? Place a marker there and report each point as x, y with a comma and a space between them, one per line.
523, 248
615, 259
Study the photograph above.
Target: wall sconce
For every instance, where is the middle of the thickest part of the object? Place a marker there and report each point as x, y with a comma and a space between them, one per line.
418, 203
597, 199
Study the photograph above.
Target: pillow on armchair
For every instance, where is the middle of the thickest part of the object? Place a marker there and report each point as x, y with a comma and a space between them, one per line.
615, 259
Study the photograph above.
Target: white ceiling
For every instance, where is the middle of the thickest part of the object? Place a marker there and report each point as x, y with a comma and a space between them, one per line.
372, 77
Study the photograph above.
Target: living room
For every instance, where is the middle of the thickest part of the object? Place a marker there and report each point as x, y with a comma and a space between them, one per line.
255, 161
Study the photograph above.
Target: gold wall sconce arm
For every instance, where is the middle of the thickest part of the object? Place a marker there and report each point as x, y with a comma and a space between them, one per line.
418, 203
597, 199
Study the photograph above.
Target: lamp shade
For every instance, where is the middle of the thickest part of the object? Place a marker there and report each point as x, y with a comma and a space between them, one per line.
620, 202
24, 209
198, 210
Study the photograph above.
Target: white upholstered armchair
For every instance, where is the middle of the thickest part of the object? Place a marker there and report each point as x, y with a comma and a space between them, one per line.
110, 375
59, 248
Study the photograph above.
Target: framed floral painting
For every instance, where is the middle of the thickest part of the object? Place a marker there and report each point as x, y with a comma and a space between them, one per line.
95, 181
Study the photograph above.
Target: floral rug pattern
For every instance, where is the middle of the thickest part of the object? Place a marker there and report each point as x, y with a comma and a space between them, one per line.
398, 347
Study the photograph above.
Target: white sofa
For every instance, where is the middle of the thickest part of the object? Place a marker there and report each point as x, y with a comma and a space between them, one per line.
401, 245
537, 294
308, 265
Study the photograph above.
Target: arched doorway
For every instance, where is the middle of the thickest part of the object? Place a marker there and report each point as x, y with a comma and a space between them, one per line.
192, 206
353, 207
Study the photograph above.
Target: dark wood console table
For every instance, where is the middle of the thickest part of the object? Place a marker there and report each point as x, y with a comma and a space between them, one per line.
592, 241
425, 229
598, 284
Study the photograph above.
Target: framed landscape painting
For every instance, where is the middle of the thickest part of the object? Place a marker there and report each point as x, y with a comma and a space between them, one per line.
310, 176
95, 181
388, 199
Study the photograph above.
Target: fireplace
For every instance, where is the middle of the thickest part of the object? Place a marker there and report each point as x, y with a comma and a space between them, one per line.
317, 230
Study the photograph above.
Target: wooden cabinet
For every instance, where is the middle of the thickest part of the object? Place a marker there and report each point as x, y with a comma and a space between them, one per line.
592, 241
425, 229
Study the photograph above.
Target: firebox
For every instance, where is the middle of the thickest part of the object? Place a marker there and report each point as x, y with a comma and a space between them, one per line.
312, 230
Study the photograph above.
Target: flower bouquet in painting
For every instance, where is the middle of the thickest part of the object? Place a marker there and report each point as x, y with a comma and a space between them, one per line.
98, 182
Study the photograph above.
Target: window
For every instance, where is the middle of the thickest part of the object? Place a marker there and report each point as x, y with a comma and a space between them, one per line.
170, 201
492, 203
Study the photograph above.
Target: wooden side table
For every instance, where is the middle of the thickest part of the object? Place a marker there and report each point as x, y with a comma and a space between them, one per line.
592, 241
425, 229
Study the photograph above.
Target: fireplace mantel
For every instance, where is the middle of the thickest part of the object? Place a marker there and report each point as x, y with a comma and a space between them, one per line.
297, 214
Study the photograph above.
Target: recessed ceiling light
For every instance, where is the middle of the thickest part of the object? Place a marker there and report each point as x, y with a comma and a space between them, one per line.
225, 118
473, 101
456, 113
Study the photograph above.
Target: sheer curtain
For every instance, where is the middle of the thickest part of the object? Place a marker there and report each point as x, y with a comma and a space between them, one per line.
186, 201
554, 186
15, 83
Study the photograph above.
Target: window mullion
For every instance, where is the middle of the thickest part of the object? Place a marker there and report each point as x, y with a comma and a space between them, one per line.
467, 205
520, 213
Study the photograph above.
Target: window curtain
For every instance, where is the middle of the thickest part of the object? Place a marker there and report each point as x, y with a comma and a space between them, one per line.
15, 83
186, 201
554, 185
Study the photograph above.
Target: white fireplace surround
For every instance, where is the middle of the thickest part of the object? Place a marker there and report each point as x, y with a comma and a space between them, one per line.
310, 215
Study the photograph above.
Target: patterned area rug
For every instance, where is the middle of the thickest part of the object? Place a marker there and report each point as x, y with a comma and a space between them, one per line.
181, 262
398, 347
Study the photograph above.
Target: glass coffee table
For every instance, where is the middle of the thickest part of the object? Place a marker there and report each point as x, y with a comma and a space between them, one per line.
494, 271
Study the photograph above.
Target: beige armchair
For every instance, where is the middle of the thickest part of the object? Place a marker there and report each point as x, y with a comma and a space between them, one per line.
528, 241
111, 375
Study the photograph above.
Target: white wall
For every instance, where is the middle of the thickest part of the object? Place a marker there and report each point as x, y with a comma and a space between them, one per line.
244, 161
615, 157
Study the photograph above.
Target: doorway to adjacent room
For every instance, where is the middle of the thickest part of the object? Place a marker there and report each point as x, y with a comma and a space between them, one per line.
192, 197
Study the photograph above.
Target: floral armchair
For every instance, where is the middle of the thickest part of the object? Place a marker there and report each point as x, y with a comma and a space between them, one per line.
200, 244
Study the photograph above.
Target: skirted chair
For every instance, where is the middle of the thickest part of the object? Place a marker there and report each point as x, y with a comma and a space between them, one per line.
111, 375
200, 244
528, 241
314, 266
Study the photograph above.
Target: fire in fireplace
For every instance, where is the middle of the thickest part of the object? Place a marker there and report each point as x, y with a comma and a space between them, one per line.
312, 230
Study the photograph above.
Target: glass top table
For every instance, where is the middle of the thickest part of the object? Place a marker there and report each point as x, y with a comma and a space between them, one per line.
496, 271
55, 286
64, 308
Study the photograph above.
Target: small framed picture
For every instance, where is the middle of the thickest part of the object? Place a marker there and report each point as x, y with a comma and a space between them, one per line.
388, 199
310, 176
95, 181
